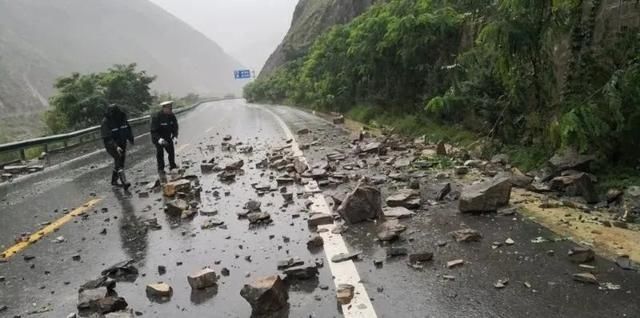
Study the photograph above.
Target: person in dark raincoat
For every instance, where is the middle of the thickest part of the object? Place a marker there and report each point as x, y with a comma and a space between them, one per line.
116, 132
164, 134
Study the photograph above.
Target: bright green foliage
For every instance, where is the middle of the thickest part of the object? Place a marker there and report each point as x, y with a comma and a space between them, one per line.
81, 100
495, 68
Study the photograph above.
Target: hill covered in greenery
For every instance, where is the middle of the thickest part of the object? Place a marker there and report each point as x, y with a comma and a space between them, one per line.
539, 74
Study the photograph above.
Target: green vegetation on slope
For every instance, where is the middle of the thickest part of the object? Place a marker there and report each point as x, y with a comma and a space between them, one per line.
81, 100
496, 69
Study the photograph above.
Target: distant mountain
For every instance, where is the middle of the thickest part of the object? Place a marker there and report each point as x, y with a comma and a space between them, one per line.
41, 40
310, 19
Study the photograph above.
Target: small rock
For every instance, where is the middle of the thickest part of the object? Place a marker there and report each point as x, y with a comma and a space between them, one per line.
581, 255
159, 290
315, 241
344, 293
509, 241
466, 235
586, 278
501, 283
396, 251
202, 279
420, 257
455, 263
345, 256
266, 295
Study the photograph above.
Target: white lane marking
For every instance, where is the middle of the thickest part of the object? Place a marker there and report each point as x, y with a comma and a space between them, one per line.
343, 272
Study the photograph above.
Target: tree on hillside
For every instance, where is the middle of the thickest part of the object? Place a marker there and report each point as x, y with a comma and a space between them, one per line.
81, 99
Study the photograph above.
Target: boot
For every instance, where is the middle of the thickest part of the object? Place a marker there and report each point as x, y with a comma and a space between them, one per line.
123, 179
114, 178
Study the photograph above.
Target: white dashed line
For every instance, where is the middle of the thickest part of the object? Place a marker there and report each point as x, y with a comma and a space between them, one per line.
343, 272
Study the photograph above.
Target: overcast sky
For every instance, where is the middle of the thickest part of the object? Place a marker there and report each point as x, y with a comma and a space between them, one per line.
248, 30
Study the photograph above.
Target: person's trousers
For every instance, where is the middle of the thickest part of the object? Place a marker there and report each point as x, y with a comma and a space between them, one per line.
160, 155
118, 158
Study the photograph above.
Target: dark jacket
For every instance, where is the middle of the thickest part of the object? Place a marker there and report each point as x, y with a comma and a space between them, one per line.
163, 126
115, 129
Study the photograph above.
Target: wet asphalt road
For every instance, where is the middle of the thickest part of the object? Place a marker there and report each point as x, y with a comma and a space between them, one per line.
50, 281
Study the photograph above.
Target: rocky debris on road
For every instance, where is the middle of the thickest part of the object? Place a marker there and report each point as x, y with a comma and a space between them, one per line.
421, 257
211, 223
315, 242
501, 283
455, 263
290, 262
122, 271
362, 204
443, 192
202, 279
397, 212
581, 255
393, 251
318, 218
390, 229
172, 188
487, 196
100, 300
234, 165
176, 208
259, 218
103, 281
120, 314
159, 292
406, 198
342, 257
301, 272
345, 293
266, 295
586, 278
626, 263
466, 235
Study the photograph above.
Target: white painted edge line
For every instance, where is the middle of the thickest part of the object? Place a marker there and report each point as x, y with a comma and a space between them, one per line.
343, 272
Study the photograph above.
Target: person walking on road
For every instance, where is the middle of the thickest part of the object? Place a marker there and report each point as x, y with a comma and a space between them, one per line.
164, 134
115, 134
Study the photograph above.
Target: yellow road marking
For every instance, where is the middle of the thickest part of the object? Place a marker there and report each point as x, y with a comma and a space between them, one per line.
183, 147
17, 248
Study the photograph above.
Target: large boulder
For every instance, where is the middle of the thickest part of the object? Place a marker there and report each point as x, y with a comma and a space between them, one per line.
487, 196
266, 295
576, 184
570, 159
364, 203
202, 279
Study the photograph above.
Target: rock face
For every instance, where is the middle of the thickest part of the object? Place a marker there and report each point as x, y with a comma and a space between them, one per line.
577, 184
487, 196
202, 279
310, 19
364, 203
266, 295
570, 159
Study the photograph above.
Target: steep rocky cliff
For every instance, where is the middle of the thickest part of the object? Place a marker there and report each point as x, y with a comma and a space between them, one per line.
310, 19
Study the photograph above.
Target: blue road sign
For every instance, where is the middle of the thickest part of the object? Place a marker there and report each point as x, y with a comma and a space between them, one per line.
242, 74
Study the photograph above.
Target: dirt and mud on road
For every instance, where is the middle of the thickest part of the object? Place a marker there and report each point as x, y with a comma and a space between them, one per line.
276, 212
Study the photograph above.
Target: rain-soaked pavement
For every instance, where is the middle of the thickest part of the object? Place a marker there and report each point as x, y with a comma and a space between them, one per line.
540, 283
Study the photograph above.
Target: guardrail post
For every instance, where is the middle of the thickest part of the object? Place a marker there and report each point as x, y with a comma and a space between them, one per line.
46, 148
23, 156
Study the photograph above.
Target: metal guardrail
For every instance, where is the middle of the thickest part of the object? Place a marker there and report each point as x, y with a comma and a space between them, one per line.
84, 136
